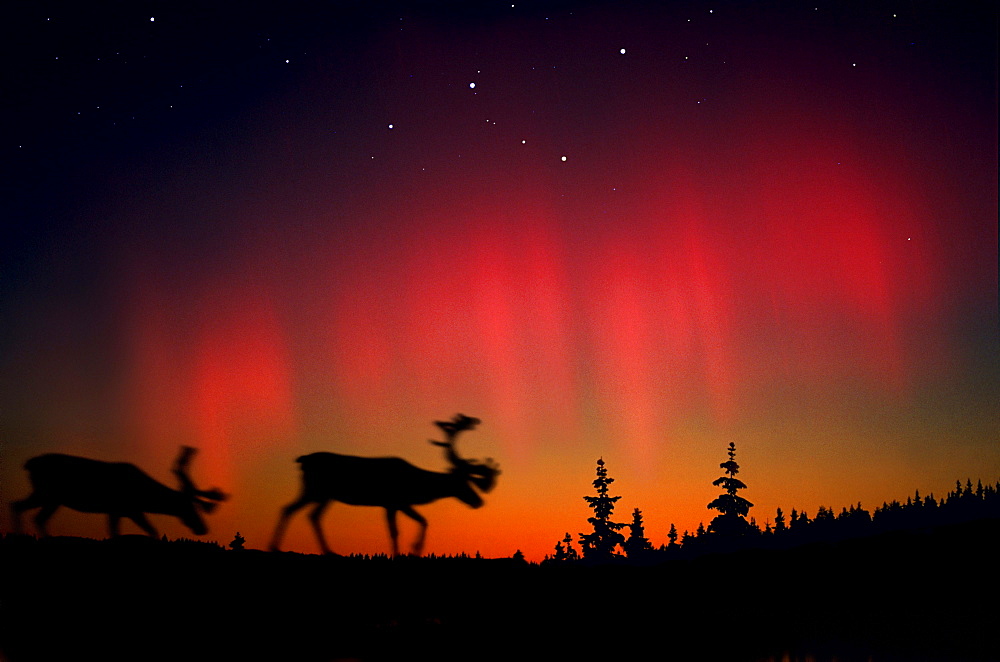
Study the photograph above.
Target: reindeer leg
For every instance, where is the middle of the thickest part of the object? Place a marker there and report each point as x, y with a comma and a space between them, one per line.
43, 517
390, 516
140, 519
19, 507
314, 517
418, 546
286, 513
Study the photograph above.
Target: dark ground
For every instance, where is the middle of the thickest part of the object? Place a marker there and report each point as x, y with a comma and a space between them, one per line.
929, 594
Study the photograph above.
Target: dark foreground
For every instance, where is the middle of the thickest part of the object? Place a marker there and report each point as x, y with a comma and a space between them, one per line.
923, 595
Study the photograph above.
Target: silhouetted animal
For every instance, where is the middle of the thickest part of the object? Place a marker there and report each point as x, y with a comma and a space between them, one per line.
118, 489
389, 482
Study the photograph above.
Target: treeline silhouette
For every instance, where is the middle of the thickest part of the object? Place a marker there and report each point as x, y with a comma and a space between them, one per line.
732, 531
913, 595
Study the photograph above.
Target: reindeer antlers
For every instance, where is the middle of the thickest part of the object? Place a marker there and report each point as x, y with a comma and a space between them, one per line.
451, 428
459, 423
204, 498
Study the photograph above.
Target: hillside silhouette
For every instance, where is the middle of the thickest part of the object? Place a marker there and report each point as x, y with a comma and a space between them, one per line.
915, 594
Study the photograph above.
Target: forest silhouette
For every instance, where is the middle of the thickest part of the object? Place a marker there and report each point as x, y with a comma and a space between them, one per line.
911, 580
731, 531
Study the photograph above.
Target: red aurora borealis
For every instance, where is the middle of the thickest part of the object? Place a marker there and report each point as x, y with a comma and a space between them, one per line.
773, 225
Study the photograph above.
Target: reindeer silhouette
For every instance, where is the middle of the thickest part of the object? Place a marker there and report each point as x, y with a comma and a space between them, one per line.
118, 489
389, 482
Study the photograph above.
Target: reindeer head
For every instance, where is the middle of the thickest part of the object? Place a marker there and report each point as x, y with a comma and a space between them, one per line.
482, 475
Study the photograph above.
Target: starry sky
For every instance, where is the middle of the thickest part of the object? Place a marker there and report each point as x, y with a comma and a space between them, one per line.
629, 230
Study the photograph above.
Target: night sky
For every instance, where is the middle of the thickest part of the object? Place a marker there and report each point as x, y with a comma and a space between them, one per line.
635, 231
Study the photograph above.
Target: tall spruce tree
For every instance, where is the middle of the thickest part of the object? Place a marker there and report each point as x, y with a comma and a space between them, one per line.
600, 545
732, 508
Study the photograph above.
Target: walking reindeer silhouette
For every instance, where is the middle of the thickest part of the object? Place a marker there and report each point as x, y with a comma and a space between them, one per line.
391, 483
118, 489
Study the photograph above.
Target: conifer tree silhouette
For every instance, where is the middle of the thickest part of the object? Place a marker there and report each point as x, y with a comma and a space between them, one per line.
732, 507
637, 544
672, 536
570, 552
779, 523
600, 545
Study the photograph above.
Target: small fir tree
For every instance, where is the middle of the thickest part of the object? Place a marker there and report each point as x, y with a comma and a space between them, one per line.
732, 507
779, 522
601, 544
571, 554
672, 536
567, 552
637, 544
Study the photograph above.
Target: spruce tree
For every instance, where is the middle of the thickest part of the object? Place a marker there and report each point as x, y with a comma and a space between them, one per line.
732, 508
238, 541
637, 544
560, 554
571, 554
672, 536
779, 523
600, 545
567, 553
